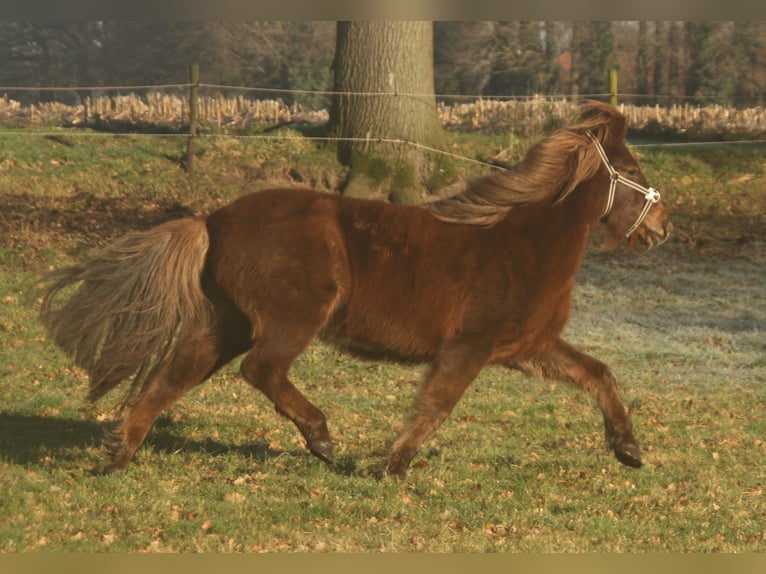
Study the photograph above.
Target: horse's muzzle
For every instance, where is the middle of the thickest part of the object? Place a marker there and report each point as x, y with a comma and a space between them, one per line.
653, 236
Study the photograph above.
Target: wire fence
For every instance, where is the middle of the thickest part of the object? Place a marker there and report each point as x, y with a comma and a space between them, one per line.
163, 110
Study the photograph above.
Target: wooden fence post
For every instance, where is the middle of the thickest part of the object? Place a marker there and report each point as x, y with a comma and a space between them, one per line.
191, 140
613, 86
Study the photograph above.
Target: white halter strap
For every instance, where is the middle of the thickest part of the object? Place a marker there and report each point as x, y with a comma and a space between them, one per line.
652, 195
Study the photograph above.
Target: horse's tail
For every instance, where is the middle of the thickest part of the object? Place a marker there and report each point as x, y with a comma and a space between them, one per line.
133, 300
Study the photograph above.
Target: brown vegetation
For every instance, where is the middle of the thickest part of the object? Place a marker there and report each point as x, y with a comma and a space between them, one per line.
529, 116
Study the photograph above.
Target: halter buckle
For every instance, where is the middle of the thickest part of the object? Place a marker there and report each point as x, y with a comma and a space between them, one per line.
652, 195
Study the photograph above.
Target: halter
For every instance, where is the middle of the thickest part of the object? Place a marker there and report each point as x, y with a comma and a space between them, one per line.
652, 195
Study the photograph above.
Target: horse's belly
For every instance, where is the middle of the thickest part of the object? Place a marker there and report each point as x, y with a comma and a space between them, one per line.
399, 337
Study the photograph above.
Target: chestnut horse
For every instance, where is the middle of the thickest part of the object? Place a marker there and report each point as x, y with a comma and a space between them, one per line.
481, 278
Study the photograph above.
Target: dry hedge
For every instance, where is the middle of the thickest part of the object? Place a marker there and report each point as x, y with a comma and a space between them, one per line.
530, 116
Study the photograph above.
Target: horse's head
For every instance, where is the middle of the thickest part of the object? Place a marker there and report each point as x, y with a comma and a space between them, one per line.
632, 208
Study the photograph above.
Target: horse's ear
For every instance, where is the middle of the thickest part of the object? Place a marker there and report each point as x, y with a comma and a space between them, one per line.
605, 121
618, 126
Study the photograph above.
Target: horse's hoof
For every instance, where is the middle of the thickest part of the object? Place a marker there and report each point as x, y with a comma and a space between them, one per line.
108, 469
628, 454
396, 467
397, 473
322, 449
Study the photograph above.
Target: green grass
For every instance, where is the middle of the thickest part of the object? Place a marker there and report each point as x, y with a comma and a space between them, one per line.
519, 466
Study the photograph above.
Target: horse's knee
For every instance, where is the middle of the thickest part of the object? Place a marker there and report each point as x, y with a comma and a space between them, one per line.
602, 373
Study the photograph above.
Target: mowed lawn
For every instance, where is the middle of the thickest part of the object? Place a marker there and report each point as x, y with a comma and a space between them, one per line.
520, 465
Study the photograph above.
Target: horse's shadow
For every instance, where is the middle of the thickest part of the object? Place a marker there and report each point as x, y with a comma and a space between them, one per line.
28, 439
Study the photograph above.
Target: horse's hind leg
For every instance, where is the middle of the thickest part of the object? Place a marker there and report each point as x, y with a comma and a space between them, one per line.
199, 354
169, 384
266, 367
565, 363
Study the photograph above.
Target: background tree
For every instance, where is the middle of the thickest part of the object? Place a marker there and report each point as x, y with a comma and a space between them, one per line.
309, 61
724, 61
36, 53
577, 33
552, 41
594, 46
660, 58
709, 61
644, 61
676, 61
463, 56
749, 39
700, 59
386, 58
264, 54
519, 60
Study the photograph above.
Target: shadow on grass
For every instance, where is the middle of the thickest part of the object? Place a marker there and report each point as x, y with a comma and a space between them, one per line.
27, 439
32, 221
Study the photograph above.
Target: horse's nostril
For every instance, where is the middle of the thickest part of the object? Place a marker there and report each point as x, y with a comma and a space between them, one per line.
661, 236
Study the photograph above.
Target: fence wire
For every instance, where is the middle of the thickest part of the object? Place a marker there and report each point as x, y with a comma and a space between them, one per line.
486, 101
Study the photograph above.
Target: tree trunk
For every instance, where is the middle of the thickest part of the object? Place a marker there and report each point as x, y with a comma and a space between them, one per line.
676, 63
644, 68
661, 57
393, 62
574, 69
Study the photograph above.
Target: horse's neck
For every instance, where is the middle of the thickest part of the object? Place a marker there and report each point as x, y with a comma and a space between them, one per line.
557, 234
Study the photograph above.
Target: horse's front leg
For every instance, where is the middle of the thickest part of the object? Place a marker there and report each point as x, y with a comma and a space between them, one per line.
565, 363
450, 375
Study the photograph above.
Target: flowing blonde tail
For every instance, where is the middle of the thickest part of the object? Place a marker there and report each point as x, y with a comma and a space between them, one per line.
132, 301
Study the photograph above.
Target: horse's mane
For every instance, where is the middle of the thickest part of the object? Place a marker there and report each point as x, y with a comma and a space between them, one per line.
552, 168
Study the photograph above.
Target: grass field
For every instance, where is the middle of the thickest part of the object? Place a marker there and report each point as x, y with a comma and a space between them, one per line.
520, 466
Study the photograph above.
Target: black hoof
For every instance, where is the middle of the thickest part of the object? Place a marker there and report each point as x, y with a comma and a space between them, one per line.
322, 449
628, 454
